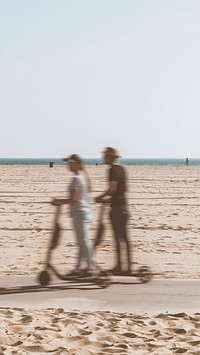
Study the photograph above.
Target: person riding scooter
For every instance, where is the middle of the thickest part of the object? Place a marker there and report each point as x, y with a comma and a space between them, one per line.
119, 212
78, 200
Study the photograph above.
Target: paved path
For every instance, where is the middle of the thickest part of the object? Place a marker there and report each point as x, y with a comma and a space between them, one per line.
124, 295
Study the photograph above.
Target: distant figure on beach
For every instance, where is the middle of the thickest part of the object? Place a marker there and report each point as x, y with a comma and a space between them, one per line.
187, 161
119, 212
80, 210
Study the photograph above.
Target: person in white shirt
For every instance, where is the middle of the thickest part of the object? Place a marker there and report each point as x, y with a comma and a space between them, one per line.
78, 200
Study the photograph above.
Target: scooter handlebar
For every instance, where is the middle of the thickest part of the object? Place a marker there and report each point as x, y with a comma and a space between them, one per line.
103, 201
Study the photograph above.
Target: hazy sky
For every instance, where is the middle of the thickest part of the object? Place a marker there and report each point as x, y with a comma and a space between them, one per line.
79, 75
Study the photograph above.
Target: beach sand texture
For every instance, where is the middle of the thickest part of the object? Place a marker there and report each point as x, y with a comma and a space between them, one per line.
164, 228
55, 331
164, 223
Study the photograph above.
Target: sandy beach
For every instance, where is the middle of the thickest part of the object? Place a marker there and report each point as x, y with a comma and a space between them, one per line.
164, 228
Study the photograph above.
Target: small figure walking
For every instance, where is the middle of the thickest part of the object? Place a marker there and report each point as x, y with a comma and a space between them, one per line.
187, 161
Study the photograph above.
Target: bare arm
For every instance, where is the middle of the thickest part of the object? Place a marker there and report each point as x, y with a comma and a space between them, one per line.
74, 194
112, 188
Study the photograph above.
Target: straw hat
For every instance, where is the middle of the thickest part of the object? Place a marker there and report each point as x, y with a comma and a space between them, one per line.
112, 152
73, 158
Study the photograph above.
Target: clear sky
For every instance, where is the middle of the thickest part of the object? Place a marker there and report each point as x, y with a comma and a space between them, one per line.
79, 75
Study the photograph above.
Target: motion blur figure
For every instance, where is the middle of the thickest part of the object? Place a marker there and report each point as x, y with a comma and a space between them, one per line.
80, 210
119, 211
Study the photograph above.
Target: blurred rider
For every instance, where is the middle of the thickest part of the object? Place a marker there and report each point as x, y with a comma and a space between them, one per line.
119, 212
80, 210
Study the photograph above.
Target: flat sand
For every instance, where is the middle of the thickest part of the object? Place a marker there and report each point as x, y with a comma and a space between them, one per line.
164, 233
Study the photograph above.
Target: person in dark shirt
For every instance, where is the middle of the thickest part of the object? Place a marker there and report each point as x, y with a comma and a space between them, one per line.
119, 212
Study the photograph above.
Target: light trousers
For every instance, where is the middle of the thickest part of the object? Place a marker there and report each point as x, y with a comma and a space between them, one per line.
81, 220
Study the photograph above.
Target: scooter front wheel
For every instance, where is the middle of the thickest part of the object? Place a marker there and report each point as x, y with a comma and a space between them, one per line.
144, 274
103, 279
44, 278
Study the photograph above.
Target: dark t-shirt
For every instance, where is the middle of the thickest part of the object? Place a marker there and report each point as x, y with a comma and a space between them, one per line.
117, 173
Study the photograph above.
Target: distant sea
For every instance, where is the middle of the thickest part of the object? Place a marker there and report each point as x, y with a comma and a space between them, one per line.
95, 161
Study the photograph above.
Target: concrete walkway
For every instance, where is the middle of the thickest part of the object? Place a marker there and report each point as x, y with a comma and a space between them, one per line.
125, 294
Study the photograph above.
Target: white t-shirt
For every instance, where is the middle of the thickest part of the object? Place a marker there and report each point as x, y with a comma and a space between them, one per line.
78, 182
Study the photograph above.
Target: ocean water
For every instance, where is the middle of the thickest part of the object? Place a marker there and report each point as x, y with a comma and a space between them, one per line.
95, 161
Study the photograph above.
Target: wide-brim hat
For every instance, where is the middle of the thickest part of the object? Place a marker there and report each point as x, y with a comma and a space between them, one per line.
73, 158
112, 152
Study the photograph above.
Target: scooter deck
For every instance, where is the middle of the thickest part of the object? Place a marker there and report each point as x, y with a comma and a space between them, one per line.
143, 274
102, 278
79, 278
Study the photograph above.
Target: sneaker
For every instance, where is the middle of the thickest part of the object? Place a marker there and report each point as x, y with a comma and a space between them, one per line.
126, 273
75, 272
90, 273
116, 270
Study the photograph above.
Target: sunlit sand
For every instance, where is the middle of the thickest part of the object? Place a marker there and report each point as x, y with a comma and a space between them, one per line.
164, 232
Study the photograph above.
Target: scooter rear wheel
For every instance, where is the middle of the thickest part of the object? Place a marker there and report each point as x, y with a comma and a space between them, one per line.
103, 279
44, 278
144, 274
